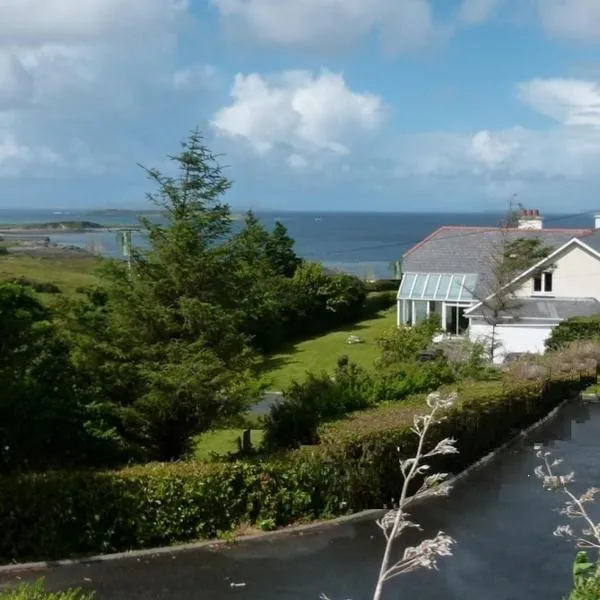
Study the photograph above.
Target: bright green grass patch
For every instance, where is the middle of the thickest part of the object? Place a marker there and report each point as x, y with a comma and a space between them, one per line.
594, 388
321, 353
223, 441
68, 273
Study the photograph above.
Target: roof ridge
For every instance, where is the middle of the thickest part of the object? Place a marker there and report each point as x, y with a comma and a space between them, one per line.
577, 232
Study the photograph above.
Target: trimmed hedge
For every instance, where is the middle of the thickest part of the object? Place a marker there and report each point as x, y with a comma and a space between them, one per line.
61, 514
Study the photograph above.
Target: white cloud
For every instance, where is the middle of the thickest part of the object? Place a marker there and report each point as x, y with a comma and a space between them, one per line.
495, 149
296, 161
31, 22
16, 83
328, 23
66, 66
571, 19
299, 110
195, 76
475, 12
569, 149
568, 101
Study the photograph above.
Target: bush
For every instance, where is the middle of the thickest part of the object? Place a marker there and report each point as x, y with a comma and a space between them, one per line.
411, 378
403, 344
42, 287
377, 301
586, 577
3, 250
577, 328
61, 514
318, 399
35, 591
319, 301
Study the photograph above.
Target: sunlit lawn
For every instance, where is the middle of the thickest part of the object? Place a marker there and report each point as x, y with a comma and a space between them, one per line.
222, 442
321, 353
68, 273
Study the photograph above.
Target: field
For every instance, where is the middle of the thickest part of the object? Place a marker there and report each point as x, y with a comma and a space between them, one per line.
67, 273
321, 353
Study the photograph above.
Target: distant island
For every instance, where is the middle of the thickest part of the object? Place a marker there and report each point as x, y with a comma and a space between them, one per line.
60, 227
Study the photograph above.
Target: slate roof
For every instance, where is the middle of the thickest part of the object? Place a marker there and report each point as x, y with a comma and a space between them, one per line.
553, 309
452, 249
592, 239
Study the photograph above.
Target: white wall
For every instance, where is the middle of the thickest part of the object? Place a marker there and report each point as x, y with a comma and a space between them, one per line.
511, 338
576, 275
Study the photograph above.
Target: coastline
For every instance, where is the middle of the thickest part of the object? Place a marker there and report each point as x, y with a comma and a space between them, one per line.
25, 231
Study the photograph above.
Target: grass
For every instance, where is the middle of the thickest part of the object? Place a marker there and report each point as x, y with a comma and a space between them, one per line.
222, 441
594, 388
68, 273
321, 353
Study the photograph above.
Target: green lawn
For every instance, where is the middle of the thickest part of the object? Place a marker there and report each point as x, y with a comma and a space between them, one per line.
67, 273
222, 441
321, 353
594, 388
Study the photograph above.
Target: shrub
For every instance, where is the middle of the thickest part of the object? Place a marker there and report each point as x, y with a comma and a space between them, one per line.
35, 591
377, 301
411, 378
404, 343
586, 577
42, 287
577, 328
3, 250
60, 514
322, 301
318, 399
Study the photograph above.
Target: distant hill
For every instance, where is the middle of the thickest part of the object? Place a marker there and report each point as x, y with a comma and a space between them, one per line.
54, 226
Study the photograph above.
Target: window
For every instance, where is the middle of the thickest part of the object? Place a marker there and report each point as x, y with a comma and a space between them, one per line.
420, 311
542, 283
456, 322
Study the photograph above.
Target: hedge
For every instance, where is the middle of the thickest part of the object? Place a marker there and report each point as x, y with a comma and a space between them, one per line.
62, 514
571, 330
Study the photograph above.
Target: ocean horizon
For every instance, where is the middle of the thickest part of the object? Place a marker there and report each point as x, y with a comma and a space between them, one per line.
361, 243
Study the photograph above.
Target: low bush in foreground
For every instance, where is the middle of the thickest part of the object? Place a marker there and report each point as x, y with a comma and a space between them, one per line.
35, 591
61, 514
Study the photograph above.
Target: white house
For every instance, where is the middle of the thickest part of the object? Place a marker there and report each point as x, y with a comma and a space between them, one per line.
450, 271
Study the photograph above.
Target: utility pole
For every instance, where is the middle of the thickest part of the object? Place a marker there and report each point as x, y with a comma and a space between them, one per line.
124, 239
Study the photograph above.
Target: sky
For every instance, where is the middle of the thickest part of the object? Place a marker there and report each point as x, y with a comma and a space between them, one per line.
373, 105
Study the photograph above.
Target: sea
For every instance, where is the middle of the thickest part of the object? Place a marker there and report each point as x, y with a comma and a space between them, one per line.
360, 243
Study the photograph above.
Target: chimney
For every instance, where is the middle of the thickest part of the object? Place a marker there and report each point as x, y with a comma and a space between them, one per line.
530, 219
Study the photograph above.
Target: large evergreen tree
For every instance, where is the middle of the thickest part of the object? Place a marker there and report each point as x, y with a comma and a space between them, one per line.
169, 326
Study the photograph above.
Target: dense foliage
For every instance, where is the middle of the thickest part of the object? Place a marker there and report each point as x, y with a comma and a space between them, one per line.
318, 399
354, 467
48, 418
571, 330
168, 345
586, 579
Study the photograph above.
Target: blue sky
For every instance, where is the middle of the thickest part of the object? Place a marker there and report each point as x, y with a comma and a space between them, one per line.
316, 104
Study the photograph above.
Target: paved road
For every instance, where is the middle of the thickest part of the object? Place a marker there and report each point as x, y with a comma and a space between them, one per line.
264, 406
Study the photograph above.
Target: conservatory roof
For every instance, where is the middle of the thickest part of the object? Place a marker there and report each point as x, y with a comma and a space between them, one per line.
449, 287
